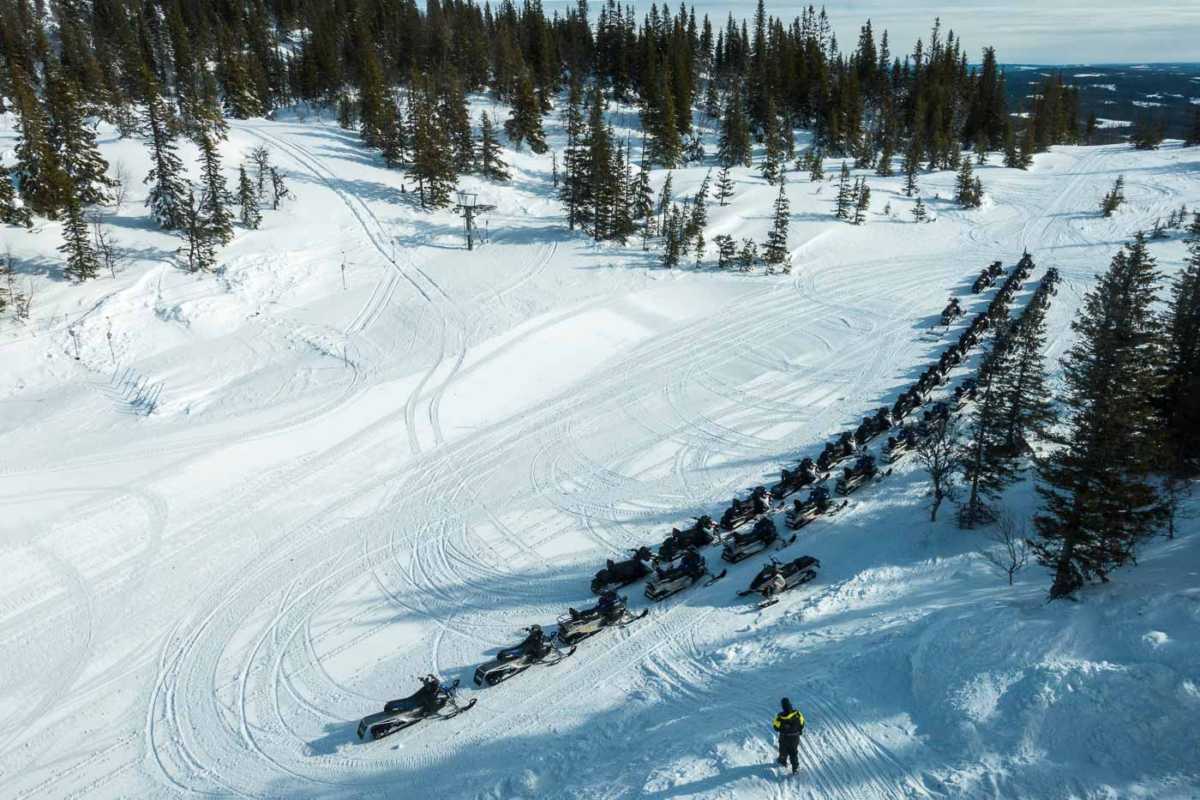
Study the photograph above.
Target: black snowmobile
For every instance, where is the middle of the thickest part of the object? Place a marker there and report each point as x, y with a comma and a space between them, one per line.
623, 573
775, 578
742, 511
703, 533
818, 503
793, 480
741, 546
611, 610
427, 702
964, 392
982, 282
952, 311
537, 648
870, 427
674, 579
903, 442
835, 452
854, 477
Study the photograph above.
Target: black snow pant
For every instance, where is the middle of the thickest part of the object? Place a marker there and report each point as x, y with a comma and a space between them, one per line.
789, 747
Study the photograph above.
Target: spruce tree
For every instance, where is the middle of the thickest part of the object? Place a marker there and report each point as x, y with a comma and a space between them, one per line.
11, 213
491, 163
643, 203
862, 201
525, 122
215, 200
1012, 157
733, 147
986, 463
773, 150
966, 190
724, 188
912, 163
726, 251
1193, 139
775, 251
747, 255
200, 250
45, 187
884, 167
816, 165
845, 195
1180, 396
1097, 501
672, 238
1113, 200
74, 141
1026, 405
77, 245
432, 162
251, 217
456, 117
574, 157
920, 214
166, 198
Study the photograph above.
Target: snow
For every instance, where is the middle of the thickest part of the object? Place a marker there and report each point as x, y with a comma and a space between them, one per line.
1147, 104
276, 500
1101, 122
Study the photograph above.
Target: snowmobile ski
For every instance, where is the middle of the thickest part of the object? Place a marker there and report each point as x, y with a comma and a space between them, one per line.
632, 619
716, 577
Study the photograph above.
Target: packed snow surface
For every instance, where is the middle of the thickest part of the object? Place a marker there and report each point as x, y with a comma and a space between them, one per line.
262, 501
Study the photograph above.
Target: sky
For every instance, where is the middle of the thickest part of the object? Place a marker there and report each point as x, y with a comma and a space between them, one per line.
1022, 31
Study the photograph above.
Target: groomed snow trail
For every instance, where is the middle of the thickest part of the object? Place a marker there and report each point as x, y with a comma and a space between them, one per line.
338, 489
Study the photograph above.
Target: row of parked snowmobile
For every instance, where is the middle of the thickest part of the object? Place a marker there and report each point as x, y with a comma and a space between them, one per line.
987, 277
677, 562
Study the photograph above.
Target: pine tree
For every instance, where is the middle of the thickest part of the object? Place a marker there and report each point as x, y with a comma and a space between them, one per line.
966, 191
279, 190
665, 195
643, 203
251, 217
699, 210
45, 188
986, 463
10, 212
525, 122
918, 211
733, 147
574, 157
886, 154
1180, 396
215, 199
456, 117
1025, 401
980, 147
1193, 139
200, 251
73, 141
77, 245
1012, 158
432, 164
747, 256
491, 164
816, 165
672, 237
1113, 200
726, 251
845, 199
912, 163
862, 201
773, 150
1097, 501
775, 252
166, 197
724, 188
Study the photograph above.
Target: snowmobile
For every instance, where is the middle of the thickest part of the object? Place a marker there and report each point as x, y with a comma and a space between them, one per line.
612, 610
535, 649
964, 393
703, 533
802, 513
775, 578
674, 579
939, 413
905, 404
903, 442
426, 703
622, 573
870, 427
795, 479
742, 511
741, 546
854, 477
982, 282
836, 452
952, 311
996, 269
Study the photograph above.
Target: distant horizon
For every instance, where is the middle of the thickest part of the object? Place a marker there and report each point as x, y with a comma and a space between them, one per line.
1069, 32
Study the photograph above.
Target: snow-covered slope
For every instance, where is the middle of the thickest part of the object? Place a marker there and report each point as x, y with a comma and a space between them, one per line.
278, 498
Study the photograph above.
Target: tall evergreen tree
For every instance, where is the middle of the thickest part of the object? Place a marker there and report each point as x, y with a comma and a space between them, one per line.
986, 463
643, 203
845, 195
525, 122
1097, 500
432, 165
73, 141
215, 200
775, 252
912, 163
1026, 406
574, 157
166, 198
251, 217
491, 163
733, 147
1180, 396
724, 187
77, 245
45, 187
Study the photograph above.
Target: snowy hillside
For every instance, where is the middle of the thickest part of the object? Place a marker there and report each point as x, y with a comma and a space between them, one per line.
261, 502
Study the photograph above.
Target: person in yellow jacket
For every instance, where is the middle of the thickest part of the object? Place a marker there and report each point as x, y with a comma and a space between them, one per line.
790, 724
